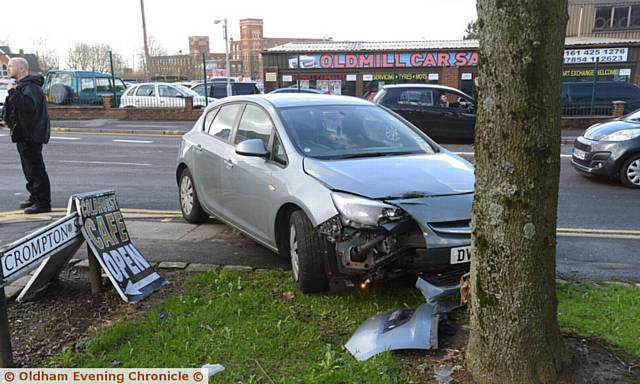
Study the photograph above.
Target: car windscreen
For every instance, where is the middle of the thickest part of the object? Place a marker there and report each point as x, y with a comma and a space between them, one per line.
633, 116
350, 131
185, 91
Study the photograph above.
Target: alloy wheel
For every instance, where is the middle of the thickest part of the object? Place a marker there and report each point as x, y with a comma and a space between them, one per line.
186, 194
293, 250
633, 172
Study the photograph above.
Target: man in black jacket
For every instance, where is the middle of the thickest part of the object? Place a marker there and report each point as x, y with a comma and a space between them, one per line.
25, 112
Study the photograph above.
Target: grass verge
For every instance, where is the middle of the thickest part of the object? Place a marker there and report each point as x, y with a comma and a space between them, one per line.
608, 311
264, 331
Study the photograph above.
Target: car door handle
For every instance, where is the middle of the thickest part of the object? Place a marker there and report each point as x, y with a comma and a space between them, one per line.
228, 163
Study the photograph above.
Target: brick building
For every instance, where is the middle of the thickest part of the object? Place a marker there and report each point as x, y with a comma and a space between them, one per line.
6, 54
252, 43
355, 68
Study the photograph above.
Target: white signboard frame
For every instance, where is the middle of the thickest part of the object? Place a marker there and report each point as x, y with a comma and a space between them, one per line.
591, 55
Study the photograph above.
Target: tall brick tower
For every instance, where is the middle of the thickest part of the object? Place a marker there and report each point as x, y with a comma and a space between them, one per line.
251, 44
198, 45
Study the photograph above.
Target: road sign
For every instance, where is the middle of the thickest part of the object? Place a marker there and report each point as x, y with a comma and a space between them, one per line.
25, 254
104, 229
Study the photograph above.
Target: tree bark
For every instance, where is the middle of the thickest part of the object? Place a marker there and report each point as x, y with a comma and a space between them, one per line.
514, 334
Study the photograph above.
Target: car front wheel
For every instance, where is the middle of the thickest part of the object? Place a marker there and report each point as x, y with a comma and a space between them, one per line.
305, 251
189, 204
630, 172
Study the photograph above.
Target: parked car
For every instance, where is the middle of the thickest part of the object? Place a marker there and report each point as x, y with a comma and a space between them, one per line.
445, 114
611, 149
4, 92
80, 87
218, 89
577, 96
296, 90
345, 189
160, 95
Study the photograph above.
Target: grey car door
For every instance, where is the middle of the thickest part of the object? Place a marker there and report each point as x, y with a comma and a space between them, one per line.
210, 154
248, 179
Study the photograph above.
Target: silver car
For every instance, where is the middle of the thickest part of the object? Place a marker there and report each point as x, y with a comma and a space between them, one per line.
346, 189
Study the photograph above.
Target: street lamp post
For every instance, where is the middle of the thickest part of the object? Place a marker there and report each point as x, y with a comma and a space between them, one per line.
226, 52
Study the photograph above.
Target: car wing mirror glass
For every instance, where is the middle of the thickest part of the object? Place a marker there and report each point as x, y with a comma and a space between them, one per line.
253, 148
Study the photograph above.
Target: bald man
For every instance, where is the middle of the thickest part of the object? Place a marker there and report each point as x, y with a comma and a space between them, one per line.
26, 114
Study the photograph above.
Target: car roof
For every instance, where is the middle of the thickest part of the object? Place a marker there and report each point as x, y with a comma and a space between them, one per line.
90, 73
286, 100
419, 85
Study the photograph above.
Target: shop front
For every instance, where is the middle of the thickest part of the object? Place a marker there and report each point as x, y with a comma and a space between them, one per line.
361, 68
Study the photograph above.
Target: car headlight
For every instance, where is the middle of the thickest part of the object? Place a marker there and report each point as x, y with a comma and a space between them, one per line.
625, 134
358, 211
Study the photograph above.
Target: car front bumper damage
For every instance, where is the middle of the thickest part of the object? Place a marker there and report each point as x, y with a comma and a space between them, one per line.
424, 240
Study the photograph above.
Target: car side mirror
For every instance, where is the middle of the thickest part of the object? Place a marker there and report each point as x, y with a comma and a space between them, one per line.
252, 148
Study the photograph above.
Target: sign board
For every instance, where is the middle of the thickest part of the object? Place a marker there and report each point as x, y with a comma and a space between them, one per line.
287, 78
591, 55
351, 77
271, 77
385, 59
625, 72
466, 76
367, 77
433, 76
103, 227
25, 254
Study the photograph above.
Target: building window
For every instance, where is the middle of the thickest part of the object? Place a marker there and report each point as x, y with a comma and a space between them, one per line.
617, 18
3, 71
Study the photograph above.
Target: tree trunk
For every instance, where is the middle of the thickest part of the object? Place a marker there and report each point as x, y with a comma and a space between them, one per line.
514, 331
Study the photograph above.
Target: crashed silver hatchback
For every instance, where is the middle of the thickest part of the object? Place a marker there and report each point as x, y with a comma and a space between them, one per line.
348, 190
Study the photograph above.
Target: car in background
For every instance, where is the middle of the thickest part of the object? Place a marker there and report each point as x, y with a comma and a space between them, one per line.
218, 89
80, 87
299, 90
611, 149
444, 113
4, 92
344, 188
160, 95
577, 97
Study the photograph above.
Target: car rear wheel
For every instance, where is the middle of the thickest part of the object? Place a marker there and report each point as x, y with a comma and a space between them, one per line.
630, 172
305, 251
189, 204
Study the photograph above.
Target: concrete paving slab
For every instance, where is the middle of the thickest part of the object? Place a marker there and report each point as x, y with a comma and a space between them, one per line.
238, 268
202, 267
204, 232
172, 265
12, 291
155, 230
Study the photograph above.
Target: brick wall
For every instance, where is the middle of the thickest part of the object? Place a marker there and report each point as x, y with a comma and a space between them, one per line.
450, 76
90, 113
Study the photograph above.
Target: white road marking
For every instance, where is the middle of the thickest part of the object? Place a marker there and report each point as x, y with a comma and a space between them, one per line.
3, 134
64, 138
103, 163
133, 141
473, 154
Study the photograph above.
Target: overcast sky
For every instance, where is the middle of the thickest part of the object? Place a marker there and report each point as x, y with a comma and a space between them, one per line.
62, 23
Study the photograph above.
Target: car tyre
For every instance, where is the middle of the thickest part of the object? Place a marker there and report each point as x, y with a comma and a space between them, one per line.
630, 172
305, 251
189, 204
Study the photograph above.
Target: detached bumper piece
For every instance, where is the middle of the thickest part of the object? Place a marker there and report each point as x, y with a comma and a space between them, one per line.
404, 328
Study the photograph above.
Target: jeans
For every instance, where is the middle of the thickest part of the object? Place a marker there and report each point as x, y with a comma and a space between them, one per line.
35, 173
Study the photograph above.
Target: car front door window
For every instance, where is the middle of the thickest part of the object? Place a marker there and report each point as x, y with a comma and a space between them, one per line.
146, 90
254, 124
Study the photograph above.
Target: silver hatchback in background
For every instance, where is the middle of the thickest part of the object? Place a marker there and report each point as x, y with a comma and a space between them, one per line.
346, 189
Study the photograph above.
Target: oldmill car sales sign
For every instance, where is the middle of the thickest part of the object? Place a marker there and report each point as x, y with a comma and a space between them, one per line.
103, 227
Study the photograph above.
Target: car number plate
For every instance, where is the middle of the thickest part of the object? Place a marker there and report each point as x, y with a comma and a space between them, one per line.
579, 154
461, 255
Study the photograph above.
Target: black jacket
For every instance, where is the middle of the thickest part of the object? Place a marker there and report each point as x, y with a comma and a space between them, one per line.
25, 112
